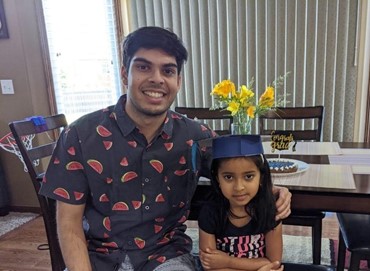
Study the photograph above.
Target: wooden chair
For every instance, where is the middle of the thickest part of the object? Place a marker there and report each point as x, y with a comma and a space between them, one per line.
305, 123
354, 235
293, 117
216, 119
36, 158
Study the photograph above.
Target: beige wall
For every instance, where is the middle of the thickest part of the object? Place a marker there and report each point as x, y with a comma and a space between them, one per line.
21, 61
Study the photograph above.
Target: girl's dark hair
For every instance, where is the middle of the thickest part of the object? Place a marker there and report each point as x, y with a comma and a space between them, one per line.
153, 37
262, 208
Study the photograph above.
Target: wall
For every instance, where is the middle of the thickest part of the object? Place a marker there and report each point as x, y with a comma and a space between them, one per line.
21, 61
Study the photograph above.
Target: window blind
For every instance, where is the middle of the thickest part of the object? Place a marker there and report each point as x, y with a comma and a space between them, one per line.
314, 40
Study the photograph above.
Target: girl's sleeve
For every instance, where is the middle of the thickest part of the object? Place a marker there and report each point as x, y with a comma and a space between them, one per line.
207, 220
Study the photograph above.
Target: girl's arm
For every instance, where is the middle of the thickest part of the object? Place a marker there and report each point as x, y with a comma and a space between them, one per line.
213, 259
274, 244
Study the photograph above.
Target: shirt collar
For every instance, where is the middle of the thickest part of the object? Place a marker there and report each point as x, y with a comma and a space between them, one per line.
127, 125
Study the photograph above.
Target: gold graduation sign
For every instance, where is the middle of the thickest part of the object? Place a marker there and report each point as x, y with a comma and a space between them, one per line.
281, 141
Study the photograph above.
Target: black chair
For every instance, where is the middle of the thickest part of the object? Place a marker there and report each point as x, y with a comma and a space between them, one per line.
354, 235
305, 123
36, 158
219, 120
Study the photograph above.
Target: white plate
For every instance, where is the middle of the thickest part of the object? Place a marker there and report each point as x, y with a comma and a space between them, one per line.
302, 167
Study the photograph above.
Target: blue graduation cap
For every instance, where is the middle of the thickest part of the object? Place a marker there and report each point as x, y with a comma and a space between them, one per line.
236, 146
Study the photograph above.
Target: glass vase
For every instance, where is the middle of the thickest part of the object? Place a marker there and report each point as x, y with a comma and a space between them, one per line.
242, 125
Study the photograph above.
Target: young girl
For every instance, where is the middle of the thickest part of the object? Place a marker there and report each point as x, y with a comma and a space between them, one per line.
237, 230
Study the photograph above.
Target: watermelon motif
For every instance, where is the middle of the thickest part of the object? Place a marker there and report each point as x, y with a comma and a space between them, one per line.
157, 165
168, 146
102, 131
71, 151
61, 192
108, 180
157, 228
96, 165
136, 204
107, 144
139, 242
106, 223
161, 259
190, 142
132, 143
78, 195
159, 198
128, 176
104, 198
124, 162
120, 206
110, 244
182, 160
74, 165
181, 172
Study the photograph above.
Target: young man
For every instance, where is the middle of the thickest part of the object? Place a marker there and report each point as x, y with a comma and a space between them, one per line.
124, 176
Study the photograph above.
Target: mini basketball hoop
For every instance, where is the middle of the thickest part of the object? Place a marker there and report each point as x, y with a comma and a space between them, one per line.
8, 143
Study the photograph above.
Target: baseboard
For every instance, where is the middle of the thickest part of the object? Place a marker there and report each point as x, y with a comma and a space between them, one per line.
25, 209
4, 210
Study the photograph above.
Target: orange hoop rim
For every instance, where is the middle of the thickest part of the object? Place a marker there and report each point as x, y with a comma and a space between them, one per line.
9, 137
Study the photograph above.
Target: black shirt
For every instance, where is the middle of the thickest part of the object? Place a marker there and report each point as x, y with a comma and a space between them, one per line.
243, 242
137, 195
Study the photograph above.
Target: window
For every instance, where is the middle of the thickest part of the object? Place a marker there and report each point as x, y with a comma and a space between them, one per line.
83, 54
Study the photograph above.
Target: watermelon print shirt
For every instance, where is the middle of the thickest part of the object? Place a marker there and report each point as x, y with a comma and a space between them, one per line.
236, 241
137, 195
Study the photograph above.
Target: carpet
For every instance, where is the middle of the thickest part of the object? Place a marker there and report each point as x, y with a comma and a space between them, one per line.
363, 264
13, 220
296, 249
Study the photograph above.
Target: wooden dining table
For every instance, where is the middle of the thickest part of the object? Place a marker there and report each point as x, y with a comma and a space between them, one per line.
356, 199
337, 178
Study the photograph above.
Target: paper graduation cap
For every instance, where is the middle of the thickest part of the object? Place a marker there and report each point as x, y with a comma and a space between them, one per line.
236, 146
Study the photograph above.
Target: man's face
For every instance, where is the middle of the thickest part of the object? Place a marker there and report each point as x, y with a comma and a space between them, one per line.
152, 83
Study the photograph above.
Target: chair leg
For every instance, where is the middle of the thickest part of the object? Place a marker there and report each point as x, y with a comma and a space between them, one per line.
354, 262
341, 253
316, 242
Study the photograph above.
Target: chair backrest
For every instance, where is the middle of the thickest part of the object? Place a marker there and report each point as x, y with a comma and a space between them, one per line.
305, 123
219, 120
46, 131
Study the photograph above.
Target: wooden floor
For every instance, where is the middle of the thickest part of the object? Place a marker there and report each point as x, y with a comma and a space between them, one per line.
18, 249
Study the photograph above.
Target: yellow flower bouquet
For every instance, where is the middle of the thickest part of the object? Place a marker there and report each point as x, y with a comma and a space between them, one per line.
242, 103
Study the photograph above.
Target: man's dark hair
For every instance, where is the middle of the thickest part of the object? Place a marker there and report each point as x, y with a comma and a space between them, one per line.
152, 37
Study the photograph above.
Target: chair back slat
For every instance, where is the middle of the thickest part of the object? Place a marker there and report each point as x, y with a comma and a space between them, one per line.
27, 126
40, 148
310, 118
219, 120
41, 151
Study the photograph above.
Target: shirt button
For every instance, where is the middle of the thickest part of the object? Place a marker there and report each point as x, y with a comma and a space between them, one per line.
146, 180
129, 243
147, 207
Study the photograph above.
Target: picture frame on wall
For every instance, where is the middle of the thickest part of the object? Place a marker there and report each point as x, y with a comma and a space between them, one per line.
3, 27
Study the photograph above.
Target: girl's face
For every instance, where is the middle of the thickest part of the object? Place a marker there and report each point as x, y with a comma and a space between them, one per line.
239, 180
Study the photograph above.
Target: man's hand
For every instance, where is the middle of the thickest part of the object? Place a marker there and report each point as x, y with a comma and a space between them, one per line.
274, 266
283, 202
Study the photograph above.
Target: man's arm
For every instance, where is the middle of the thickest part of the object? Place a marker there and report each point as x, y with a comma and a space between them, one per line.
283, 202
71, 236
